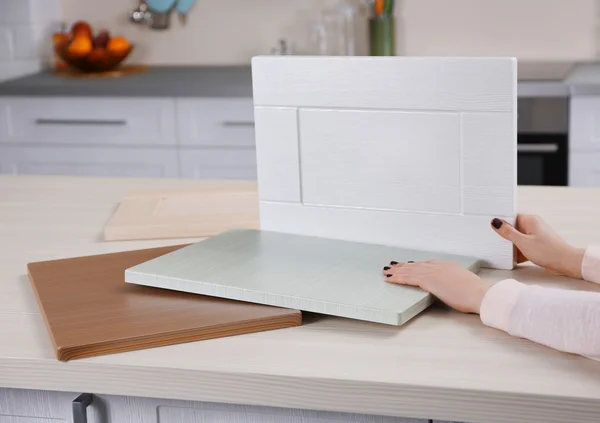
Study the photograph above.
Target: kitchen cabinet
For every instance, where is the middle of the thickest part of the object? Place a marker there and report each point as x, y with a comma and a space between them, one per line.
584, 141
218, 163
216, 122
33, 406
584, 169
200, 138
94, 161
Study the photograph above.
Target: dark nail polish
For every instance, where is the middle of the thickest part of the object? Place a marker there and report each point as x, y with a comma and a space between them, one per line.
496, 223
410, 261
387, 268
388, 276
393, 263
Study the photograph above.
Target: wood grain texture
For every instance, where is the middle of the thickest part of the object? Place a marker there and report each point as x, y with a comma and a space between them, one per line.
278, 154
442, 365
432, 142
305, 273
412, 83
90, 311
380, 160
183, 213
489, 164
453, 234
35, 406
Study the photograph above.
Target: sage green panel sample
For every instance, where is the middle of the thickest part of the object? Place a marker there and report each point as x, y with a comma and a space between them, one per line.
338, 278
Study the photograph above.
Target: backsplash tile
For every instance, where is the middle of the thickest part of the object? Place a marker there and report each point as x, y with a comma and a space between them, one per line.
31, 43
14, 12
5, 44
25, 35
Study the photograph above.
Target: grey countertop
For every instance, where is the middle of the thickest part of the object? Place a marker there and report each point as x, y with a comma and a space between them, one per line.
205, 81
584, 79
536, 79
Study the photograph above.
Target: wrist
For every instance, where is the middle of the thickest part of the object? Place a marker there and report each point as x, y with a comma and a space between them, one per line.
482, 290
572, 260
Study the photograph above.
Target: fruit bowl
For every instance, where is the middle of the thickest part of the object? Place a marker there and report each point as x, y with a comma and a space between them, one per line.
94, 61
80, 50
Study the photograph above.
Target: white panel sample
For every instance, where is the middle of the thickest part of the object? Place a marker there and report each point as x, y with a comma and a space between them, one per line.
415, 83
306, 273
404, 151
490, 164
463, 235
279, 173
381, 160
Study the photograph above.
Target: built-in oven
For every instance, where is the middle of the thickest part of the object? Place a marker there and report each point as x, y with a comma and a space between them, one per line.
543, 141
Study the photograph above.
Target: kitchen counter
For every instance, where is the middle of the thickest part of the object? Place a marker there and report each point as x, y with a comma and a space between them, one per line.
585, 79
168, 81
442, 365
536, 79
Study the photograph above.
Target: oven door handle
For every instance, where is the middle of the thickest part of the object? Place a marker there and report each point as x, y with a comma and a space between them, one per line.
537, 148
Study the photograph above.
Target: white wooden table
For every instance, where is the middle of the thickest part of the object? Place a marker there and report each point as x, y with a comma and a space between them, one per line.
442, 365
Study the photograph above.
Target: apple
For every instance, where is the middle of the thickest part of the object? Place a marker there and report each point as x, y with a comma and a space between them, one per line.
101, 40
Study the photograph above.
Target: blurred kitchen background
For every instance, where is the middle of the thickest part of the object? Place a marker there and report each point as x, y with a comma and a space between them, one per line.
180, 104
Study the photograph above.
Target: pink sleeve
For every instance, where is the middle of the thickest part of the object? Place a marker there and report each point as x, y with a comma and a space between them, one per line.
561, 319
590, 268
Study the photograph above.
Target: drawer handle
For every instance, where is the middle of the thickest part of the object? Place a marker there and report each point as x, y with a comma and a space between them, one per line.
537, 148
238, 124
80, 122
80, 405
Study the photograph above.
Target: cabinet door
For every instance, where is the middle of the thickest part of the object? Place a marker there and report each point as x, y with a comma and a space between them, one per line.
150, 410
218, 163
584, 126
226, 122
32, 406
584, 169
143, 162
88, 121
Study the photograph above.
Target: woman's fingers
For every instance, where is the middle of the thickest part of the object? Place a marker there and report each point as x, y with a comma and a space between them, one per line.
409, 273
403, 279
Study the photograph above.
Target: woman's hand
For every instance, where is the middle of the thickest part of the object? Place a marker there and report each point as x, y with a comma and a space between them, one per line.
456, 286
538, 243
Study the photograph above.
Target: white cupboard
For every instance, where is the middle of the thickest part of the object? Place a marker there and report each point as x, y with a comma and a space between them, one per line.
584, 141
33, 406
201, 138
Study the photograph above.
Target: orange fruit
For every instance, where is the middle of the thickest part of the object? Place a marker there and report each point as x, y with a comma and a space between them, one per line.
118, 45
80, 46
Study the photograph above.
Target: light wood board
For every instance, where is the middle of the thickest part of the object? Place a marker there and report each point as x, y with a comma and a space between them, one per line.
412, 152
89, 310
183, 213
320, 275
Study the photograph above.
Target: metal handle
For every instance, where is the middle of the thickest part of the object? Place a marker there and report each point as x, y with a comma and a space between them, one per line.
80, 122
80, 405
233, 123
537, 148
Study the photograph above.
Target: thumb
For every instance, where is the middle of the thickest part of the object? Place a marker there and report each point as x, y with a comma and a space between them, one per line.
507, 231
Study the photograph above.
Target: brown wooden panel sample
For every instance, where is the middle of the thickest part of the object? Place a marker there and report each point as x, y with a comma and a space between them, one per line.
89, 310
